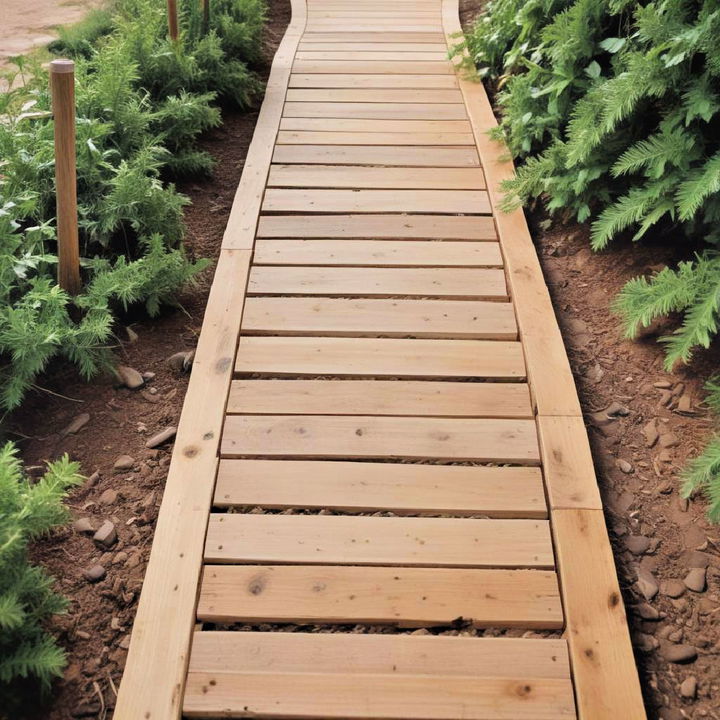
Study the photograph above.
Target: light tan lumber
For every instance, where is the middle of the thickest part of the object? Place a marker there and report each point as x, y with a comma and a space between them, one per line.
378, 397
303, 137
359, 540
395, 67
155, 673
379, 317
391, 55
326, 200
408, 597
396, 46
390, 227
316, 436
388, 111
334, 80
362, 37
256, 652
385, 357
347, 25
358, 176
569, 472
461, 283
413, 156
551, 379
373, 95
377, 253
379, 126
606, 679
380, 697
501, 492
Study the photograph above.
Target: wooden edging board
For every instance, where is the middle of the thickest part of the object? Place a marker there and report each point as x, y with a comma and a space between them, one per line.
153, 684
603, 667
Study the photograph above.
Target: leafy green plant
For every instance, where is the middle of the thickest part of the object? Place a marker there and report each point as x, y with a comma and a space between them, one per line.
142, 102
27, 599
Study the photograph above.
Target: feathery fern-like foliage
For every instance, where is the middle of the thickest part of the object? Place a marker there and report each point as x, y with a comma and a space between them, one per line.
27, 599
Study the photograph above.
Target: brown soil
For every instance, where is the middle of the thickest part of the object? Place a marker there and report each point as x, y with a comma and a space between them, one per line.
96, 630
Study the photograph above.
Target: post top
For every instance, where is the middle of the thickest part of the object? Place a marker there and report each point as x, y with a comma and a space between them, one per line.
62, 66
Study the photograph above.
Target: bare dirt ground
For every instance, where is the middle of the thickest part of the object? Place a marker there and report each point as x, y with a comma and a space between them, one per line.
28, 24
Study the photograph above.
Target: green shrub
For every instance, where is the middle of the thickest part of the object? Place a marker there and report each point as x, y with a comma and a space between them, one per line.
28, 510
142, 102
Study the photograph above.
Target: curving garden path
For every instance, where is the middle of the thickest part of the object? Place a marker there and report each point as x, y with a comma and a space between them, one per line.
380, 354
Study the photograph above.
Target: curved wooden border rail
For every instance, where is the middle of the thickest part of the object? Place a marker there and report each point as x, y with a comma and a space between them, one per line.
312, 297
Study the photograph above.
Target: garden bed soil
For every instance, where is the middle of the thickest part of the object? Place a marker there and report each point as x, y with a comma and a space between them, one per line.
626, 395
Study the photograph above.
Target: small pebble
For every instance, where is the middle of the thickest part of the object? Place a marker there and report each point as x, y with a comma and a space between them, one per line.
695, 579
129, 377
95, 574
688, 688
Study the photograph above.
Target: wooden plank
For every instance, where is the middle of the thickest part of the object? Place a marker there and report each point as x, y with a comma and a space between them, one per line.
257, 652
155, 673
326, 200
374, 95
569, 472
408, 597
381, 697
417, 156
373, 138
346, 25
360, 125
387, 111
378, 397
606, 679
377, 253
360, 540
385, 67
390, 227
372, 318
317, 80
317, 436
358, 176
396, 46
461, 283
552, 382
391, 55
404, 489
362, 37
387, 357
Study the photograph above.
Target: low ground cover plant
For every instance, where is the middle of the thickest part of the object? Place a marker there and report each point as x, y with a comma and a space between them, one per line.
28, 509
612, 108
142, 102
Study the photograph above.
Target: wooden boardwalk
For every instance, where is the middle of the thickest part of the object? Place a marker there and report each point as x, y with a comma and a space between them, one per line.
380, 354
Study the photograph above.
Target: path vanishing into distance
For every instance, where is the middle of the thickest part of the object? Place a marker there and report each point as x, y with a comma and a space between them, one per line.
381, 502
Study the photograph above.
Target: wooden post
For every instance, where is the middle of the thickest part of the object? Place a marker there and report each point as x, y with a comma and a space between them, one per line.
62, 86
172, 19
206, 15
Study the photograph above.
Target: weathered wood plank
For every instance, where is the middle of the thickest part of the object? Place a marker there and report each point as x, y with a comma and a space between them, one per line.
326, 200
460, 283
373, 95
386, 227
383, 67
359, 540
408, 597
387, 357
358, 176
369, 125
437, 139
413, 156
418, 438
378, 397
405, 489
388, 111
371, 318
334, 80
377, 253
